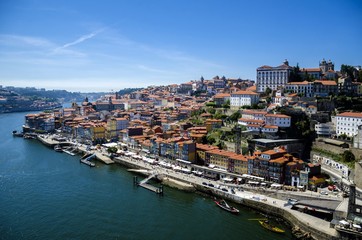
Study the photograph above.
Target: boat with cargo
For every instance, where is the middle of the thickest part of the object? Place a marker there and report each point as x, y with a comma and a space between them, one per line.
266, 224
223, 204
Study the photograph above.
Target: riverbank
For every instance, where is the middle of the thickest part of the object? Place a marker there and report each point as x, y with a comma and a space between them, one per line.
308, 225
312, 226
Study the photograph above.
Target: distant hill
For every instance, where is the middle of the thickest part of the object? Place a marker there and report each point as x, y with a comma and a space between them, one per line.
128, 90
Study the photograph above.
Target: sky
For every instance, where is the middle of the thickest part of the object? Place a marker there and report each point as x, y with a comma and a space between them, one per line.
113, 44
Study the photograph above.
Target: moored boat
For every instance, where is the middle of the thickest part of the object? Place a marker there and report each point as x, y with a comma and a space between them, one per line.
267, 225
58, 148
86, 162
222, 204
17, 134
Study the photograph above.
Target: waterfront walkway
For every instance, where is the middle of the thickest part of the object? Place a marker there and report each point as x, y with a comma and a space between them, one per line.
240, 195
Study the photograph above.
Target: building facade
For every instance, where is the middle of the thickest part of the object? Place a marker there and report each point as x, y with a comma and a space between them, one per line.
243, 98
272, 77
348, 123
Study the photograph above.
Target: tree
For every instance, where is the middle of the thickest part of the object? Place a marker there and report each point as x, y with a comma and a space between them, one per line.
348, 156
112, 150
235, 116
268, 91
226, 104
294, 75
210, 104
348, 70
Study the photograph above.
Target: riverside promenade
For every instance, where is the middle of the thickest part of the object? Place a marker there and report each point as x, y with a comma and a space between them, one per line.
50, 141
312, 226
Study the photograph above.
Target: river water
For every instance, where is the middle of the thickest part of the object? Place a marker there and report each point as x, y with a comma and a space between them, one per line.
49, 195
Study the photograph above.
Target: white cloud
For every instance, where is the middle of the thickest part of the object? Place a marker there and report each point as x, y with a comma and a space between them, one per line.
25, 41
80, 40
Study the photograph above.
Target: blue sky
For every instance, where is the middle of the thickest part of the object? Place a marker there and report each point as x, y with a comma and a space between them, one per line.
108, 45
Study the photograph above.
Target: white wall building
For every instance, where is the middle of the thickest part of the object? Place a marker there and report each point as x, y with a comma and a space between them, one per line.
279, 120
243, 98
305, 88
272, 77
252, 114
348, 123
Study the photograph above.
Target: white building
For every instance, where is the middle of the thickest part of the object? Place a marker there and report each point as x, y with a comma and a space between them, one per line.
348, 123
279, 120
253, 114
272, 77
305, 88
243, 98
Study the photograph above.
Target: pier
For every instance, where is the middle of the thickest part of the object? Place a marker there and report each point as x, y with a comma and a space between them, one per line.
144, 184
86, 160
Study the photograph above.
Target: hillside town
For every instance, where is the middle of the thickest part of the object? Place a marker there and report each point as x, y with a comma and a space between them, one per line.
293, 128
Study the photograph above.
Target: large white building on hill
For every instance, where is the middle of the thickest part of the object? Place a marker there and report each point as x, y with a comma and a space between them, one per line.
272, 77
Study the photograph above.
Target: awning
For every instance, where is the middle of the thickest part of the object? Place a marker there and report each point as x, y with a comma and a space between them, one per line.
108, 145
227, 179
251, 182
356, 226
344, 222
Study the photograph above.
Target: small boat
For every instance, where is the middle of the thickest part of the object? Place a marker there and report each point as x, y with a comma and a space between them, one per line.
17, 134
222, 204
86, 162
58, 148
267, 225
29, 136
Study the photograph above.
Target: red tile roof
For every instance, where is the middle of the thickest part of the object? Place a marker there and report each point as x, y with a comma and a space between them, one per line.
350, 114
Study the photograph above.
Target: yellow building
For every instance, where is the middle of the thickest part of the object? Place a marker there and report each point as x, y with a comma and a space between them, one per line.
201, 150
219, 158
239, 164
111, 129
98, 131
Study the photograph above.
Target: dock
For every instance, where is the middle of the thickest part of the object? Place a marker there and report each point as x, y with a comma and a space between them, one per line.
99, 155
51, 141
86, 160
144, 184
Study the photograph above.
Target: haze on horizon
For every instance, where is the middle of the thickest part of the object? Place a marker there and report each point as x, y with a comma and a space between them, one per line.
103, 46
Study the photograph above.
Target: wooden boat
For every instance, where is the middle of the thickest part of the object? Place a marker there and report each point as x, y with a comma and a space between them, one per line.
267, 225
222, 204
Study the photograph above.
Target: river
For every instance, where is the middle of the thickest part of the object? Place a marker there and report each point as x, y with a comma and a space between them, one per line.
49, 195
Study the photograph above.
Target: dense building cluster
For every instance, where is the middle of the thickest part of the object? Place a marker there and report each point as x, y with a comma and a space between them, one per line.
157, 120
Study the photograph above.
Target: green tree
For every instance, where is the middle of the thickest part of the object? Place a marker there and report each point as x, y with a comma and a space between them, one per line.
210, 104
112, 150
294, 75
268, 91
235, 116
359, 77
226, 104
348, 156
347, 70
